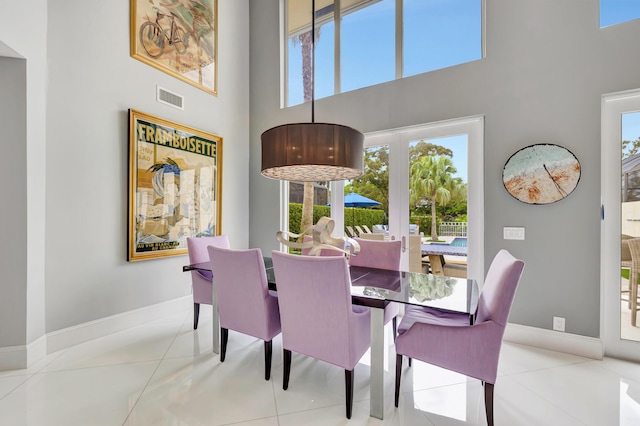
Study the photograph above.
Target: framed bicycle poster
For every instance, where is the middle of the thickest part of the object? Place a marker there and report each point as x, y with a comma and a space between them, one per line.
175, 184
179, 37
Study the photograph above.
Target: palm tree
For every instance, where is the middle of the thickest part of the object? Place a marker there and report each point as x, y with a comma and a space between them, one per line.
306, 44
431, 178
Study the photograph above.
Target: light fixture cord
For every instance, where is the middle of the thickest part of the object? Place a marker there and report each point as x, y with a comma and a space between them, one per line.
313, 60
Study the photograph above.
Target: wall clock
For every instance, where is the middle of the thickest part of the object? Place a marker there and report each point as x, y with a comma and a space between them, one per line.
541, 174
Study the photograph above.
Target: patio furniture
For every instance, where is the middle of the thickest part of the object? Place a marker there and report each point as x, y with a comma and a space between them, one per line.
378, 237
366, 229
359, 229
634, 247
351, 232
625, 260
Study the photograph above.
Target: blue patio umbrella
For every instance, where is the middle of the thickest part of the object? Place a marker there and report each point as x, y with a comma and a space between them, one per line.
353, 199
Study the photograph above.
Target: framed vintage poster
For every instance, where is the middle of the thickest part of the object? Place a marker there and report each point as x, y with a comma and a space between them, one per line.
175, 183
179, 37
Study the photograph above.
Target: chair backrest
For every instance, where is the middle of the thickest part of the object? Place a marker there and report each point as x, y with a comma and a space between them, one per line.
634, 251
625, 253
316, 314
499, 288
197, 249
378, 254
351, 232
240, 285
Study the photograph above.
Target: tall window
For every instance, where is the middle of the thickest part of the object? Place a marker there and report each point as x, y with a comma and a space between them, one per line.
614, 12
361, 46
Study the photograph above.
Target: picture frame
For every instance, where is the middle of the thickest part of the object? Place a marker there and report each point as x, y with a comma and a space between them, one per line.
175, 186
178, 37
541, 174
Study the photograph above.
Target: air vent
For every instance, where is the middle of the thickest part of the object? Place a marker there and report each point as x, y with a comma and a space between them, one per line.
169, 98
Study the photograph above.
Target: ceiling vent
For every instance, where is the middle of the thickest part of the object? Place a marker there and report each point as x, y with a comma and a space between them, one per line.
169, 98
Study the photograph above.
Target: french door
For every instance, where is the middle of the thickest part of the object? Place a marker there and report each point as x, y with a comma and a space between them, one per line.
398, 143
616, 331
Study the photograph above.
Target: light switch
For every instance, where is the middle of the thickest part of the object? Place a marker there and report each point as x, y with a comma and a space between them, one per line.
513, 233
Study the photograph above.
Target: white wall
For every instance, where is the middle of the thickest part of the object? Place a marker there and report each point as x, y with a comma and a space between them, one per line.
547, 64
92, 82
23, 34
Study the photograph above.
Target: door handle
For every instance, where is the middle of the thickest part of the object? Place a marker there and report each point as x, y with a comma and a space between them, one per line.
404, 244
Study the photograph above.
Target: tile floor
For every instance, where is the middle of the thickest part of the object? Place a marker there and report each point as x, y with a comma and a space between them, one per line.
163, 373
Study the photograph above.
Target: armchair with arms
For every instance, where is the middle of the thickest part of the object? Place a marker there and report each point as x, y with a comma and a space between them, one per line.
450, 342
201, 280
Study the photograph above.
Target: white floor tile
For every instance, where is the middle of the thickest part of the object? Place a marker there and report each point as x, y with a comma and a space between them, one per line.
203, 391
164, 373
88, 396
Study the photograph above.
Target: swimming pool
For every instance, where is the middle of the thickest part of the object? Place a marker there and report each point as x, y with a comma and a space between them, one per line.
459, 242
456, 242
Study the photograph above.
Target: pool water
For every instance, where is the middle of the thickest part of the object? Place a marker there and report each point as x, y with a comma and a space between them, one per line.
456, 242
459, 242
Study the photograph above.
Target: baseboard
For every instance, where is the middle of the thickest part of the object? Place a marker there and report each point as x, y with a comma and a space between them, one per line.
81, 333
20, 357
589, 347
23, 356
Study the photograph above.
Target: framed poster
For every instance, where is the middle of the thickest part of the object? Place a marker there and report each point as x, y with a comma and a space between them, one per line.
175, 183
541, 174
179, 37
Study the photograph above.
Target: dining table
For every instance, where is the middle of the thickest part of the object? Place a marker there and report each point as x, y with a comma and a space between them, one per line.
376, 288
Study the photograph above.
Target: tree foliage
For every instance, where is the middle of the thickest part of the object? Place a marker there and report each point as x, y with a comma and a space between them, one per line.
630, 148
374, 183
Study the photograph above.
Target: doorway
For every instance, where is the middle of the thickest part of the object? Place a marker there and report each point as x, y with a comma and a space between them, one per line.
619, 114
465, 135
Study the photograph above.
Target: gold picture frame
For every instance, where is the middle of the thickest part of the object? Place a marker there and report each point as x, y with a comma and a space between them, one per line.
175, 186
179, 37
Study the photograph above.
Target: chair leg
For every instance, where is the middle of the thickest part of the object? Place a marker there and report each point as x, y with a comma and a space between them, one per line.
394, 323
287, 369
488, 402
224, 338
398, 376
633, 298
348, 387
267, 359
196, 315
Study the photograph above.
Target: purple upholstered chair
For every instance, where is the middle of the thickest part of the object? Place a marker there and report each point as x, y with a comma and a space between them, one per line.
245, 303
318, 319
450, 342
201, 280
381, 255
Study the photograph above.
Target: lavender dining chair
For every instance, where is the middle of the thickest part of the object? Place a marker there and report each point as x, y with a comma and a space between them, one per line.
450, 342
245, 303
381, 255
201, 280
318, 318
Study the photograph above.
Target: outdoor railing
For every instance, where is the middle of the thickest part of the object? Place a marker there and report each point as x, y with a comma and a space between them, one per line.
453, 229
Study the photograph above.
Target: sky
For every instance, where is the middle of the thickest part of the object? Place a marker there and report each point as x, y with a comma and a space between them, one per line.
438, 34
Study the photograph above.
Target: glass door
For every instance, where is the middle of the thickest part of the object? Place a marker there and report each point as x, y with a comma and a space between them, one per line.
421, 172
621, 220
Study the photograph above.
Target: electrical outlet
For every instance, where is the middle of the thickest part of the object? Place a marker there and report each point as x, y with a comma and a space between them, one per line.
558, 323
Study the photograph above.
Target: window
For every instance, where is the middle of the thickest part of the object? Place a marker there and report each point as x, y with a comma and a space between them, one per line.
614, 12
361, 46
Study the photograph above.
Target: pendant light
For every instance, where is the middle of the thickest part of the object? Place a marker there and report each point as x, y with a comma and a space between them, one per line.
312, 152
